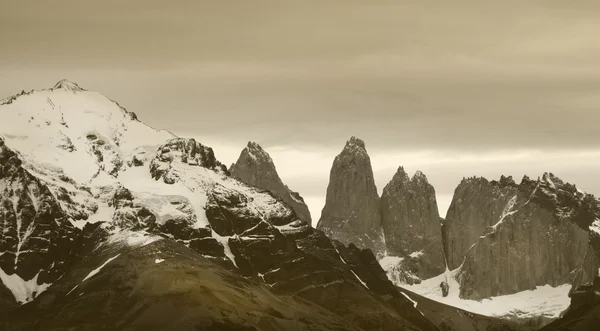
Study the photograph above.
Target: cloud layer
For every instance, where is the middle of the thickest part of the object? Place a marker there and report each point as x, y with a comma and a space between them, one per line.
465, 87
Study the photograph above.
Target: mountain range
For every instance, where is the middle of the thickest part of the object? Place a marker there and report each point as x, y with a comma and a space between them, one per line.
110, 224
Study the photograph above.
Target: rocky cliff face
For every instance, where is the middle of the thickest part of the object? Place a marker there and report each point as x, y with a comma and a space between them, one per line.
255, 167
477, 203
352, 210
411, 222
91, 246
535, 233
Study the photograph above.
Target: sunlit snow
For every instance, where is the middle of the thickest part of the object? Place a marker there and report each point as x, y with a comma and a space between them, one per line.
544, 300
95, 271
23, 291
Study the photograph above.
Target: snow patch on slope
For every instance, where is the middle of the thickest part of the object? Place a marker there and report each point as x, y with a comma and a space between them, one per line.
23, 291
224, 240
360, 280
97, 270
595, 226
132, 238
543, 301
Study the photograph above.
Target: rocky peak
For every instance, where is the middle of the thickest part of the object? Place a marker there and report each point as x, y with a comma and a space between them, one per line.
255, 147
67, 86
419, 177
411, 224
477, 204
351, 213
355, 146
504, 181
495, 230
355, 142
185, 151
256, 167
400, 175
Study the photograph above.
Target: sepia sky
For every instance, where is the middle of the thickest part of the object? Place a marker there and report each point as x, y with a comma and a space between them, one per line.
453, 88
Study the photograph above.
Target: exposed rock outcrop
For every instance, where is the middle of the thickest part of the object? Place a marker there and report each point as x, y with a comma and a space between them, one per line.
352, 210
411, 222
183, 151
255, 167
537, 233
37, 241
477, 203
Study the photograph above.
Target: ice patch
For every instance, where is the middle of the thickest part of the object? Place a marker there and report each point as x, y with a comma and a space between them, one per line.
360, 280
389, 262
416, 254
73, 289
508, 210
595, 226
95, 271
132, 238
411, 300
225, 242
23, 291
79, 223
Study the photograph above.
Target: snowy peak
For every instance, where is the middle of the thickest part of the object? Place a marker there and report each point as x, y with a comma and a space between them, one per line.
84, 134
67, 86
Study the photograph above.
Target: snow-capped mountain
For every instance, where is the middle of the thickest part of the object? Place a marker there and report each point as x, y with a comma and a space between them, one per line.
106, 222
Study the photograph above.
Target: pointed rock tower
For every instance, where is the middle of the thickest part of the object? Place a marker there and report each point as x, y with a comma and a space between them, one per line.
411, 222
255, 167
351, 213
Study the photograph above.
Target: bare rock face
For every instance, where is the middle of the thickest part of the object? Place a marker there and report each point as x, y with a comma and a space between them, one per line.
540, 236
477, 203
38, 242
352, 212
411, 222
255, 167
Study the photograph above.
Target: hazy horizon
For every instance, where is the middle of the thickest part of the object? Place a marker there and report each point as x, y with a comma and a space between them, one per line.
452, 89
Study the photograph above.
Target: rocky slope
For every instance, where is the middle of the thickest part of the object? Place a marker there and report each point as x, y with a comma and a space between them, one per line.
352, 211
520, 236
255, 167
411, 223
110, 224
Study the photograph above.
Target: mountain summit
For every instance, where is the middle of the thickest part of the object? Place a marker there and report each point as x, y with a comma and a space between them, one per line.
106, 222
351, 213
256, 167
67, 86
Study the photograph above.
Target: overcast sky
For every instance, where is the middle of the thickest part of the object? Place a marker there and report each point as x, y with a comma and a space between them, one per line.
452, 88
